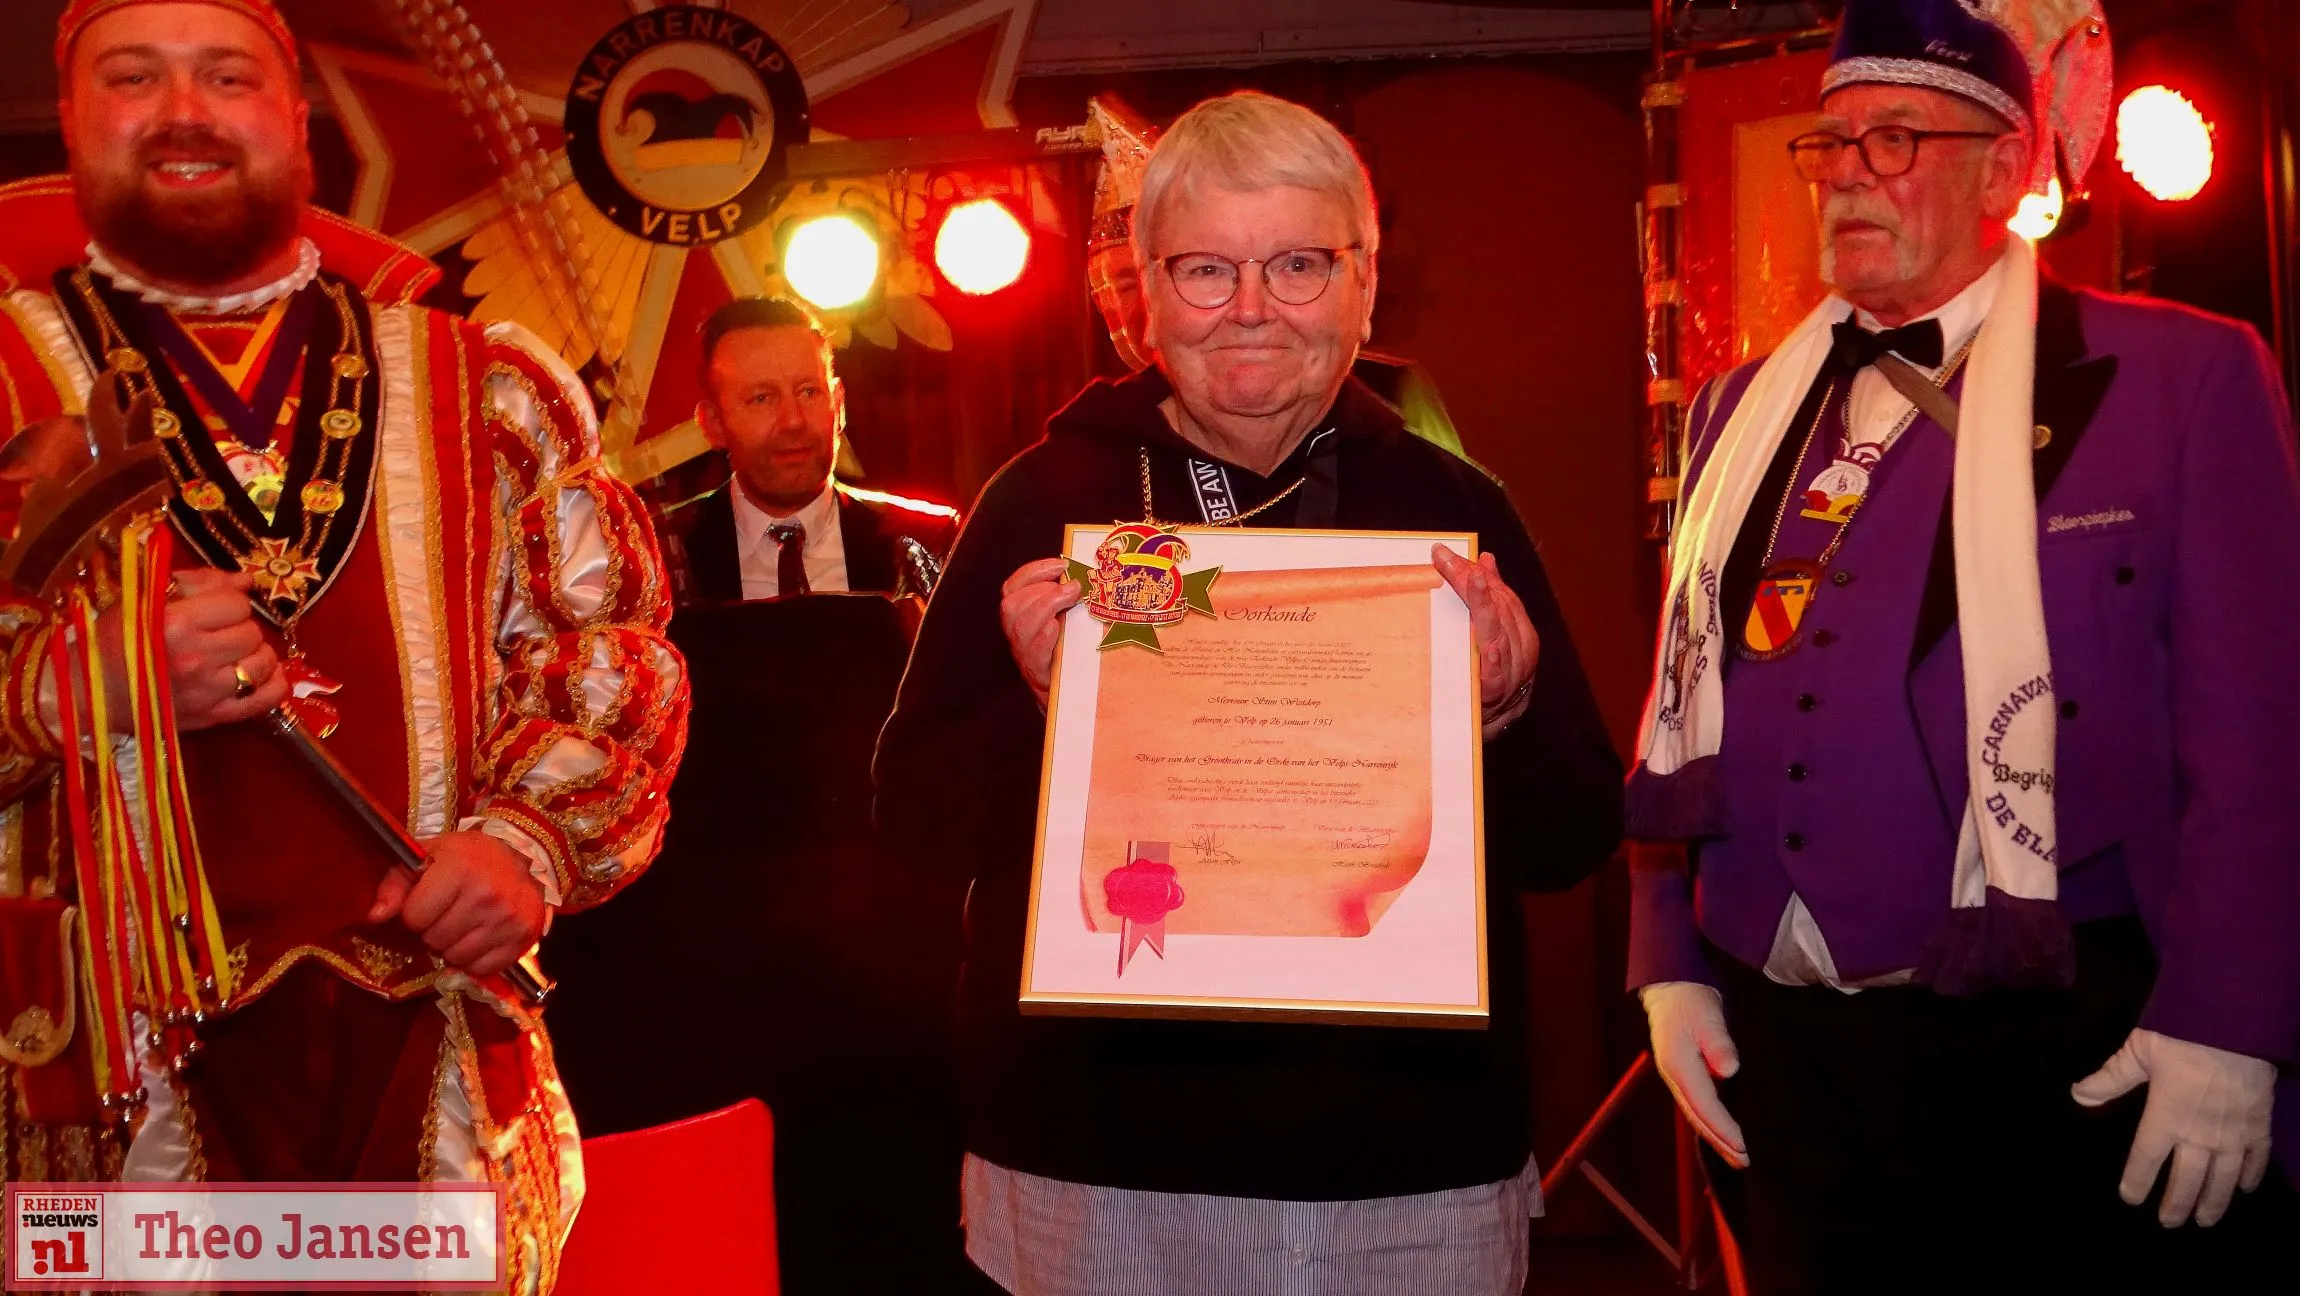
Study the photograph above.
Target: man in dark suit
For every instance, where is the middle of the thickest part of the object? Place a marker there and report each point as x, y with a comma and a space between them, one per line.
766, 899
783, 524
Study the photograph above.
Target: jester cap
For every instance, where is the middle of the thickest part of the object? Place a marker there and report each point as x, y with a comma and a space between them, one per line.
1126, 144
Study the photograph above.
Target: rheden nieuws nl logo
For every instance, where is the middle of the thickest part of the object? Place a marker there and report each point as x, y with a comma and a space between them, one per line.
206, 1237
56, 1236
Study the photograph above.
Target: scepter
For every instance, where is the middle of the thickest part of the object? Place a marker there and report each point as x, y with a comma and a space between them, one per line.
85, 480
405, 849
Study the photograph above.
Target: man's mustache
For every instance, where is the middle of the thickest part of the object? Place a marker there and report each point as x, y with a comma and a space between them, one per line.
1841, 209
188, 144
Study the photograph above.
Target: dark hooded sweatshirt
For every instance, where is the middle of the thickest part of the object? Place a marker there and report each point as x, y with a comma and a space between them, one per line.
1279, 1110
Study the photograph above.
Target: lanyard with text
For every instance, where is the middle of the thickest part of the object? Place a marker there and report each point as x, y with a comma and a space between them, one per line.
1218, 503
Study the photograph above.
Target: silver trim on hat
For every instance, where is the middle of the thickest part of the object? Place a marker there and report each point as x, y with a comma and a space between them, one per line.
1928, 76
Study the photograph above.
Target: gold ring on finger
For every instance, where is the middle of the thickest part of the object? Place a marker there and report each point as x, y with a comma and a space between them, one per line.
242, 683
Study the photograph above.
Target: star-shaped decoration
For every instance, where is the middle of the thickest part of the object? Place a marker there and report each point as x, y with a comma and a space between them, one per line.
1197, 596
282, 572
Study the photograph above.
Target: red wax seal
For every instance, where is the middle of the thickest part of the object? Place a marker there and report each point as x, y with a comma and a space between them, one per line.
1144, 891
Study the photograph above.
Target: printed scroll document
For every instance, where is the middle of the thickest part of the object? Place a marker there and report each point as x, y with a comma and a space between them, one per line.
1261, 790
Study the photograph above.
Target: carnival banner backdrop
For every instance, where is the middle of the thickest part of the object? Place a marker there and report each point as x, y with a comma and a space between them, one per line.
607, 172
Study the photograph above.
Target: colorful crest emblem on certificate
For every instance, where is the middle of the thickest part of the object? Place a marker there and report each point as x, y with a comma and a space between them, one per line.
1137, 584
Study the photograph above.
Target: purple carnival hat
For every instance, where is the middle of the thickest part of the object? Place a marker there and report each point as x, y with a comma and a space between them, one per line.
1942, 45
2042, 65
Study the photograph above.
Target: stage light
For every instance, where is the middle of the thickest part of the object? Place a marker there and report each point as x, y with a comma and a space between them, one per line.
981, 247
832, 261
2039, 214
2164, 143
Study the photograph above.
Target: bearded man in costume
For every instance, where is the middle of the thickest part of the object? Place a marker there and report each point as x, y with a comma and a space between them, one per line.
391, 519
1972, 704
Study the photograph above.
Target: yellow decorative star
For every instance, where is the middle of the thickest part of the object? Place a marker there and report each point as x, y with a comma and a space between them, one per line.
280, 569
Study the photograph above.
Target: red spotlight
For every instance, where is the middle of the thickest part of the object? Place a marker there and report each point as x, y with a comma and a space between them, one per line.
981, 248
2164, 143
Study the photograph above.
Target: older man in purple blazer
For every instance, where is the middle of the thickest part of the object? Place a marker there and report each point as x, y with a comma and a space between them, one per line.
1975, 711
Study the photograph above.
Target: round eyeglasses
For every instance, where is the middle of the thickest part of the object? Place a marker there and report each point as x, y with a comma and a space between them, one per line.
1208, 280
1887, 151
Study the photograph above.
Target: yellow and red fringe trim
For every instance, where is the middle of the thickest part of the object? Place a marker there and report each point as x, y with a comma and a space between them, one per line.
150, 936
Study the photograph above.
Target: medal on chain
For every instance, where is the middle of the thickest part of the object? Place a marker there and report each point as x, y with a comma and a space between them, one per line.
1786, 587
286, 570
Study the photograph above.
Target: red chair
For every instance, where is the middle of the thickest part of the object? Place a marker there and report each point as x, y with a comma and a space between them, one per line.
704, 1186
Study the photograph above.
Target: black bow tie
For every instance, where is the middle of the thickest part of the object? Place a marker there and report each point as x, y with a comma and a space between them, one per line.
1856, 348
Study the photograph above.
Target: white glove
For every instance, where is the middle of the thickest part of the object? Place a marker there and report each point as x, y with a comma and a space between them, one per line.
1689, 1046
2207, 1108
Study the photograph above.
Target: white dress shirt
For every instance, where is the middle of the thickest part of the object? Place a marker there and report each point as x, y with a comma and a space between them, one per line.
761, 555
1874, 410
1876, 406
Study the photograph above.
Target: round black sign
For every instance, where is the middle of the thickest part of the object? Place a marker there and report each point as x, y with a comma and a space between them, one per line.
678, 122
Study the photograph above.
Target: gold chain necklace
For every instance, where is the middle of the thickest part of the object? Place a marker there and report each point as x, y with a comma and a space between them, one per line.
1781, 512
283, 570
1787, 588
1836, 542
1150, 515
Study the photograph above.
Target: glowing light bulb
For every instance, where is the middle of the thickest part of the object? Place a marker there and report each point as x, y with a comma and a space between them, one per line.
832, 261
981, 248
2164, 143
2039, 214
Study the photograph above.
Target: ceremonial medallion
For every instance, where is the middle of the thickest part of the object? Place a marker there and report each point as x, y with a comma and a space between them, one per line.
1783, 593
1836, 491
234, 483
260, 473
1137, 584
322, 497
679, 121
282, 572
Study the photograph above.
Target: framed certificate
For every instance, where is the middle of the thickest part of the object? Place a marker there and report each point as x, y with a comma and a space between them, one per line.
1262, 783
